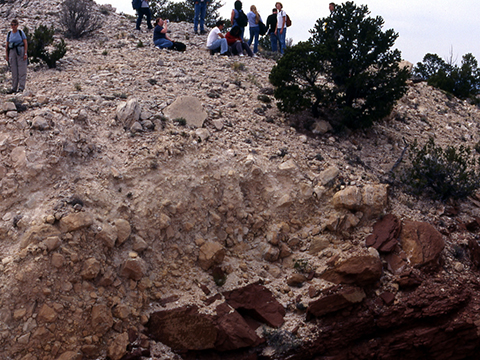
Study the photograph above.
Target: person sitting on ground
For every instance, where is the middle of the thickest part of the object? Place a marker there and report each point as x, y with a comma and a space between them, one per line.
161, 39
216, 40
236, 43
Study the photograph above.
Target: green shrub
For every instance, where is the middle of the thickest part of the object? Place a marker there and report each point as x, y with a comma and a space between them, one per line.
346, 71
442, 173
462, 81
39, 41
77, 17
180, 121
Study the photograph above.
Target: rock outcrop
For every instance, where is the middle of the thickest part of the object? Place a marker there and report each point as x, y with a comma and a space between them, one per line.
128, 233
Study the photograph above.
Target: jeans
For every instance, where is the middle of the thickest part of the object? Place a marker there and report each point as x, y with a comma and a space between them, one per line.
274, 41
140, 13
200, 11
163, 43
239, 46
219, 43
254, 33
281, 39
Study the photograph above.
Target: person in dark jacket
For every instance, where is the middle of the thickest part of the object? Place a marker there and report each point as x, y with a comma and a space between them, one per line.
144, 10
271, 26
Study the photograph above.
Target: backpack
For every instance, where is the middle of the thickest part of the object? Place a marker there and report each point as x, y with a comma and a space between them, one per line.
262, 28
288, 21
242, 19
136, 4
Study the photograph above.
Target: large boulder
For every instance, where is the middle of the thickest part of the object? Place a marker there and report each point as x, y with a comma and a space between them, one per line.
422, 243
189, 108
360, 270
335, 299
183, 329
258, 302
370, 199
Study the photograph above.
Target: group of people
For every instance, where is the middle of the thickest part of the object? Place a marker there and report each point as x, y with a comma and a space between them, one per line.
232, 42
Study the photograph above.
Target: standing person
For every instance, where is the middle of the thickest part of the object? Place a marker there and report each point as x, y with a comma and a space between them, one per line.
236, 43
144, 10
235, 17
216, 40
16, 51
253, 22
281, 30
200, 11
331, 7
271, 27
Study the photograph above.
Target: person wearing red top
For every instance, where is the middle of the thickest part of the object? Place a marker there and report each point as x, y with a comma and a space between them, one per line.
236, 43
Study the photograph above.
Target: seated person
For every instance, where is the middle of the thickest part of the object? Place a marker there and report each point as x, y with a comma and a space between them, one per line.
235, 41
161, 39
216, 40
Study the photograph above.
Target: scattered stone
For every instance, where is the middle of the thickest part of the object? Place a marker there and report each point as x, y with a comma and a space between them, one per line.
123, 230
211, 253
102, 319
134, 268
91, 268
296, 280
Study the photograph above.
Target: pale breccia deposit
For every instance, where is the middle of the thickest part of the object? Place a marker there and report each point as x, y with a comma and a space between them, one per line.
129, 174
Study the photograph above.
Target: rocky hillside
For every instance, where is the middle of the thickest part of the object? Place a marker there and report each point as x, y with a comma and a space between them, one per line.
156, 205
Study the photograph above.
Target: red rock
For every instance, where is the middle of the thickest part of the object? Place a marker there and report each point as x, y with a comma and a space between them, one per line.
474, 251
340, 299
388, 297
360, 270
233, 330
183, 329
396, 264
422, 243
385, 234
258, 302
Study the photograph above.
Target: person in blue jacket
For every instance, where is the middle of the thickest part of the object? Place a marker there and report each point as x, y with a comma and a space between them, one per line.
254, 20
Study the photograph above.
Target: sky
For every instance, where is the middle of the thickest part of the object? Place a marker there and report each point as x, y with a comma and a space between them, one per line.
446, 28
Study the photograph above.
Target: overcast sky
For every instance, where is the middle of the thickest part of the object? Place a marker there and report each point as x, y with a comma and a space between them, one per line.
441, 27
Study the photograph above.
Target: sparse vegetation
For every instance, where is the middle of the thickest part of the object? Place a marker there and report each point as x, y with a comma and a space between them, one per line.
40, 41
281, 340
442, 173
77, 17
140, 44
345, 72
78, 86
180, 121
238, 66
